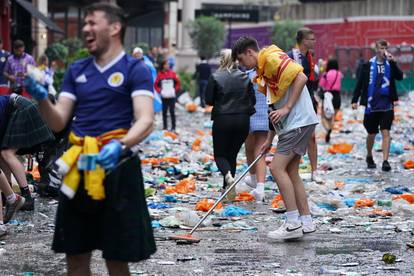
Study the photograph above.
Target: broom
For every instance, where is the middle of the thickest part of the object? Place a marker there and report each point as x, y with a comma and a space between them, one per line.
188, 238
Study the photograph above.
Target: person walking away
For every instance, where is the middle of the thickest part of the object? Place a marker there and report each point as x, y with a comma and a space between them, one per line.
4, 83
15, 69
293, 118
110, 96
376, 90
231, 94
167, 85
259, 127
302, 54
202, 74
331, 82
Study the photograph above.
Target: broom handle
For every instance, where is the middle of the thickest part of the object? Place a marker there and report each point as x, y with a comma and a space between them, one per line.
226, 192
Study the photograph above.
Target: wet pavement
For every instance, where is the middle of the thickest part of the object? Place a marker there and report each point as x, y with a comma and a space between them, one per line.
351, 240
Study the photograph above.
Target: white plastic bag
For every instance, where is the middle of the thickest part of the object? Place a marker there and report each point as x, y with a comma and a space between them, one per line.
328, 108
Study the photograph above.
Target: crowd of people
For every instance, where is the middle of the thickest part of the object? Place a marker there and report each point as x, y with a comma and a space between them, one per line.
256, 94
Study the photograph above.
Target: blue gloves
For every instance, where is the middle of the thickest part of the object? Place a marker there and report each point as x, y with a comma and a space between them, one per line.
35, 89
109, 155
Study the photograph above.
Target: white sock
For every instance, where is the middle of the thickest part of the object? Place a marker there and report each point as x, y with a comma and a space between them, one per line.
306, 220
11, 198
1, 222
260, 187
253, 179
292, 216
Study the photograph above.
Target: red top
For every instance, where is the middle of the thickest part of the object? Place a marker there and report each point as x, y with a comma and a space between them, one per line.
165, 77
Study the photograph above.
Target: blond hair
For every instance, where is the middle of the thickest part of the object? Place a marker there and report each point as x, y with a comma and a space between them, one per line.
226, 61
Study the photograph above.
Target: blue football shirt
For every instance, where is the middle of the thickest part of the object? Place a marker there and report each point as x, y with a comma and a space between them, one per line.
103, 95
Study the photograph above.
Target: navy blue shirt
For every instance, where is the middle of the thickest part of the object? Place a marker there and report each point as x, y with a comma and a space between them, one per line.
103, 95
380, 102
203, 71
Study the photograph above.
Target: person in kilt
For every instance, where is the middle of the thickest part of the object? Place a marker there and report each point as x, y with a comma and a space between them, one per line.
13, 201
23, 129
110, 97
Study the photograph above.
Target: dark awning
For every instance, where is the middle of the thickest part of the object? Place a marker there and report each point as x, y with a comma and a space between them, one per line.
36, 13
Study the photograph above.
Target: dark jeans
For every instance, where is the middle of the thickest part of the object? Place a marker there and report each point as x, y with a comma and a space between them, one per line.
202, 85
229, 133
168, 104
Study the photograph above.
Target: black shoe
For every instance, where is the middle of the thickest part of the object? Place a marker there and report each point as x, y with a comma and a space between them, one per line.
328, 136
28, 205
370, 163
386, 166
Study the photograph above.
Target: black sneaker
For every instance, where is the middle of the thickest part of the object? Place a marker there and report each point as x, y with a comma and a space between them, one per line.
11, 209
28, 205
370, 163
328, 136
386, 166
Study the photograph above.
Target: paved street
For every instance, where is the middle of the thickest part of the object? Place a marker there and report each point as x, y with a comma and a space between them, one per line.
349, 241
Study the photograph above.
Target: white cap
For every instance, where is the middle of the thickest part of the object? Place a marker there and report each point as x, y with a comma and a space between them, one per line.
137, 50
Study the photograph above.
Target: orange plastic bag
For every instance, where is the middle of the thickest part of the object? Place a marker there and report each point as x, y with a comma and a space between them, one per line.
170, 190
171, 159
380, 213
200, 132
35, 173
340, 148
170, 134
205, 204
338, 116
406, 197
364, 202
245, 196
152, 161
196, 145
408, 164
277, 202
185, 186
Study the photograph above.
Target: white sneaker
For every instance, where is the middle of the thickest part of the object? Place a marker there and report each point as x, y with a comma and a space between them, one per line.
316, 177
287, 231
258, 195
308, 228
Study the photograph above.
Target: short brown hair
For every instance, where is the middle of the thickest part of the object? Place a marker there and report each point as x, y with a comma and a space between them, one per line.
381, 42
242, 44
113, 13
302, 33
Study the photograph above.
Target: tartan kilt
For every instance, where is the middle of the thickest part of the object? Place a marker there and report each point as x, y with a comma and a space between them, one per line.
25, 128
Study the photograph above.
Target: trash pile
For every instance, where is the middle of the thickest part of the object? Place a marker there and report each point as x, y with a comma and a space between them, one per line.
181, 169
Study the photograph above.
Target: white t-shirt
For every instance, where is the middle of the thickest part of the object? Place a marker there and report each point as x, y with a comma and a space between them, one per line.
302, 113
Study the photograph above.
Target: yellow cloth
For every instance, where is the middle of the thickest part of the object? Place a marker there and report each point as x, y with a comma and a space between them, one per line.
275, 72
93, 179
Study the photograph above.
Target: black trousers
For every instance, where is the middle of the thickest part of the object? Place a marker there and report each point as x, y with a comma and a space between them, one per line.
168, 104
229, 133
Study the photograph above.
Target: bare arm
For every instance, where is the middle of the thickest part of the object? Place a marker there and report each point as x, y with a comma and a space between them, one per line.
57, 116
143, 126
